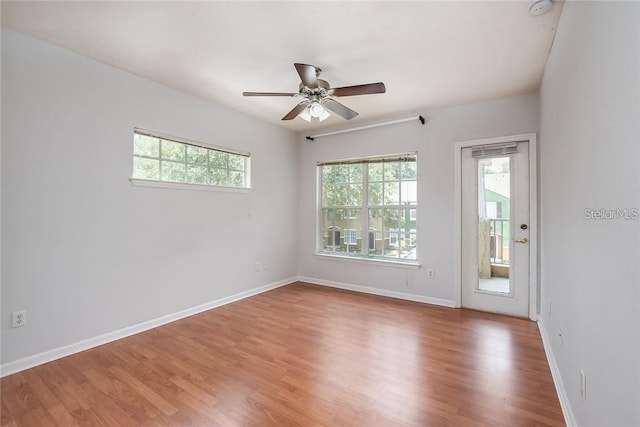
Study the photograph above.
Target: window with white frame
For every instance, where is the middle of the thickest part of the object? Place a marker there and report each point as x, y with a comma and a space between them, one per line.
350, 237
158, 157
374, 202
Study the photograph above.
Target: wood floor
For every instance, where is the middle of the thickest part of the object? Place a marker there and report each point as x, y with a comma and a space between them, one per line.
301, 355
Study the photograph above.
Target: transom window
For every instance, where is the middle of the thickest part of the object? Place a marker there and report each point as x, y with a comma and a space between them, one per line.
158, 157
374, 202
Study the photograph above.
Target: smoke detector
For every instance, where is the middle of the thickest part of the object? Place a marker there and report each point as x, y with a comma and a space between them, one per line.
540, 7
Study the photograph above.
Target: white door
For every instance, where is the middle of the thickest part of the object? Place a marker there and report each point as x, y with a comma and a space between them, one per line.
495, 228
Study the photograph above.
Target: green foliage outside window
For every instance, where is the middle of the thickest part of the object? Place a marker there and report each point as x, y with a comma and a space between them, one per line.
160, 159
372, 201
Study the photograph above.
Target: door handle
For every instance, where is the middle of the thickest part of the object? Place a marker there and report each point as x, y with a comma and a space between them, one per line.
521, 240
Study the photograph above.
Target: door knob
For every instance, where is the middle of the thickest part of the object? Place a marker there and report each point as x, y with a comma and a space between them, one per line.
521, 240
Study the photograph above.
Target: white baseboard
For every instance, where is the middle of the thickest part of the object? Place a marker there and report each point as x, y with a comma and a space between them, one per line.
569, 418
67, 350
381, 292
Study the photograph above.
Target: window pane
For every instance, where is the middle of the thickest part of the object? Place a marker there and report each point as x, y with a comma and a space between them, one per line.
393, 218
341, 195
172, 150
375, 194
328, 176
332, 232
197, 155
412, 252
331, 215
408, 170
355, 195
218, 177
391, 193
172, 171
351, 214
341, 173
328, 195
409, 190
355, 173
236, 179
351, 241
375, 217
218, 159
391, 171
197, 174
146, 168
144, 145
236, 162
341, 231
350, 237
375, 172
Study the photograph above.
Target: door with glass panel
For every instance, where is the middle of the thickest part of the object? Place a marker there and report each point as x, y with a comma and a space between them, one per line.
495, 228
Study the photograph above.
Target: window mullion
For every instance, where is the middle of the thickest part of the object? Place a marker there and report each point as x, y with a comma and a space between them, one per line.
160, 160
186, 175
364, 226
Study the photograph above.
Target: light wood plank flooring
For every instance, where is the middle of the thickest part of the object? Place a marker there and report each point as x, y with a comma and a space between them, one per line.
301, 355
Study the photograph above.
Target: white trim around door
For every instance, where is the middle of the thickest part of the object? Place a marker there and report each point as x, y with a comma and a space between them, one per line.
533, 215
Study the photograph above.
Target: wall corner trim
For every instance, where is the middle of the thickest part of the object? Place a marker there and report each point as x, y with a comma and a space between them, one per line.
67, 350
565, 404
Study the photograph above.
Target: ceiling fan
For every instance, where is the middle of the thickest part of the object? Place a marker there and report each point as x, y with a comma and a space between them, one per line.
317, 94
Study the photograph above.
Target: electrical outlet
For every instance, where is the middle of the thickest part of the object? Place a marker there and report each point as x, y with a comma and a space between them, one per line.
258, 266
430, 273
583, 385
19, 318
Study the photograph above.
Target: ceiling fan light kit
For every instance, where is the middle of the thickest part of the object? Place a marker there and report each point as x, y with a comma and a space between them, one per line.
317, 93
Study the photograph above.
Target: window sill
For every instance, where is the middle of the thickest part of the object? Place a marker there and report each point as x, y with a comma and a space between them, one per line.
410, 265
185, 186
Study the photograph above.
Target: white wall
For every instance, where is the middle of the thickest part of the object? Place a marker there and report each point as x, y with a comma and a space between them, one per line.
434, 143
589, 156
84, 251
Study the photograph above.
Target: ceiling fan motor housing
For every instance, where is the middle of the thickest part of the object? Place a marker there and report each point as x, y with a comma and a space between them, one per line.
323, 87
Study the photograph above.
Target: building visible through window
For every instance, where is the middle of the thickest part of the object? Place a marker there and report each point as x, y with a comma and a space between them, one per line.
369, 203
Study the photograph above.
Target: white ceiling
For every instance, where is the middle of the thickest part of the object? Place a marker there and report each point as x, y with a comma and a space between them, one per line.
428, 54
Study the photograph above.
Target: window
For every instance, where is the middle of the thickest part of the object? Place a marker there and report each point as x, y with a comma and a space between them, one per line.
351, 214
374, 202
159, 157
350, 237
333, 237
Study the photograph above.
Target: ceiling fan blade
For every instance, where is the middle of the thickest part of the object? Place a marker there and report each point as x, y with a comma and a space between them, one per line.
341, 110
268, 94
308, 75
367, 89
296, 111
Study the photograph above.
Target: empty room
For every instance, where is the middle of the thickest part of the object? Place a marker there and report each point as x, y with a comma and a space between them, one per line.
298, 213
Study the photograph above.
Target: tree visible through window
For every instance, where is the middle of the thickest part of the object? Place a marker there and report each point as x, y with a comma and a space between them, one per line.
162, 158
374, 201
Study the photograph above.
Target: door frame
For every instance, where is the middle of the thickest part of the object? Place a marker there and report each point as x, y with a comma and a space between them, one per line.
533, 215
